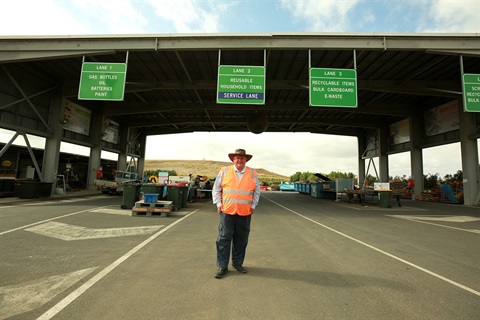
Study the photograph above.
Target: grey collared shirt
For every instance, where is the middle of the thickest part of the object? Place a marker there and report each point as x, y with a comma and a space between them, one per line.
217, 188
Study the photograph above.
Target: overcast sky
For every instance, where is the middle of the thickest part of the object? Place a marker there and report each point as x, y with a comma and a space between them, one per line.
281, 153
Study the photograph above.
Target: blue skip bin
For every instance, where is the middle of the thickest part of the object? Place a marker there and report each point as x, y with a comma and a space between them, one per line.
150, 197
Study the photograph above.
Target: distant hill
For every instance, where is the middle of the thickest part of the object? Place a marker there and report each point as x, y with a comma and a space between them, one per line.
207, 168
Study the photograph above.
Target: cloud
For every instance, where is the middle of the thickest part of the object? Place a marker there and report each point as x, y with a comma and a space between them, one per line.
452, 16
385, 16
111, 16
49, 17
321, 16
192, 16
46, 17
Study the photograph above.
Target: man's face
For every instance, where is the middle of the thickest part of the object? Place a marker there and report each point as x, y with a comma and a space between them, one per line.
239, 162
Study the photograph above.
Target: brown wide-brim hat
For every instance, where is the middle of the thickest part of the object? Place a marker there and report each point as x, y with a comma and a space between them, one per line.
239, 152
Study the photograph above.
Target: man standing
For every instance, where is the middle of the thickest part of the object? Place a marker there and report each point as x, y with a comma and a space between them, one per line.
236, 193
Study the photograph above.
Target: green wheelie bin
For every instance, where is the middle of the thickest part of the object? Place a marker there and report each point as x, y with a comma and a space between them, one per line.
384, 199
131, 194
174, 194
184, 194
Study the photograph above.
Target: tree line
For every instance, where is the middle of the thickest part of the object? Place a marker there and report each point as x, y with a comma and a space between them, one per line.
431, 181
310, 176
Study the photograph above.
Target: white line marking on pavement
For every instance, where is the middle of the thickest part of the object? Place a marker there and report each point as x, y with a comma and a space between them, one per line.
440, 218
46, 220
70, 232
459, 285
75, 294
357, 206
70, 200
114, 211
27, 296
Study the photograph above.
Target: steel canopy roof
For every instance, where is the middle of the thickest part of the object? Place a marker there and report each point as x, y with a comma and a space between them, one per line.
171, 79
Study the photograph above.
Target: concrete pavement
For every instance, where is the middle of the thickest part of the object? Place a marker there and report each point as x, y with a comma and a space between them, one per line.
307, 259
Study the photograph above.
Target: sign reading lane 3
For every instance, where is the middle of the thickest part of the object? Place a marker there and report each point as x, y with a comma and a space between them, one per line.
333, 87
241, 84
471, 92
102, 81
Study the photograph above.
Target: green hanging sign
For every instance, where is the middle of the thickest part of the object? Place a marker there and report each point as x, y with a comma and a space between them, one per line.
102, 81
241, 85
333, 87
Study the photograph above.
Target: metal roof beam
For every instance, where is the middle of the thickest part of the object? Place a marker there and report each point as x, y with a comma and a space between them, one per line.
414, 90
472, 53
148, 122
19, 56
281, 41
123, 108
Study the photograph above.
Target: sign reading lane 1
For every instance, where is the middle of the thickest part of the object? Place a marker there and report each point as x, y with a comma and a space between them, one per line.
333, 87
241, 84
471, 92
102, 81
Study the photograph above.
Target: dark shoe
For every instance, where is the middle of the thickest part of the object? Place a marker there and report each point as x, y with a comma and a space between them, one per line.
220, 273
240, 268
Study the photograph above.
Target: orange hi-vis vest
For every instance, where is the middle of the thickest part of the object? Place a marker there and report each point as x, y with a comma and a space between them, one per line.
237, 196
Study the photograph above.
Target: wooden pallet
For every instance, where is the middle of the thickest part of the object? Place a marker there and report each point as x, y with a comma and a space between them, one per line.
159, 208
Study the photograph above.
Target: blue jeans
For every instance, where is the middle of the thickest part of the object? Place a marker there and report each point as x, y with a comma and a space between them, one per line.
232, 229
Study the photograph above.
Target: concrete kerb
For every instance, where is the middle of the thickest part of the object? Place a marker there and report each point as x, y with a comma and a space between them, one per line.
72, 194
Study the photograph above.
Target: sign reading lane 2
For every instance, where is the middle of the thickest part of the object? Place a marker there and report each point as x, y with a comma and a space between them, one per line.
102, 81
241, 84
333, 87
